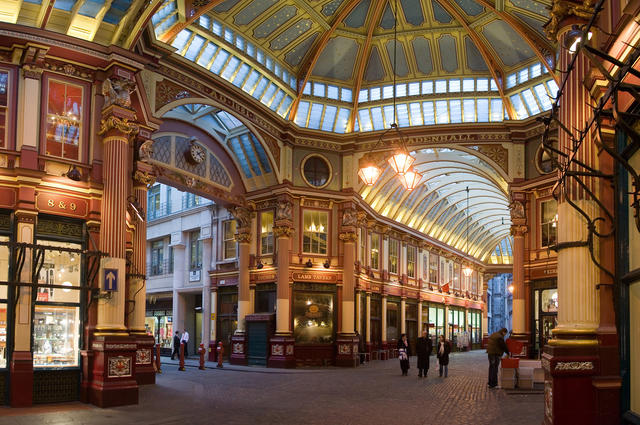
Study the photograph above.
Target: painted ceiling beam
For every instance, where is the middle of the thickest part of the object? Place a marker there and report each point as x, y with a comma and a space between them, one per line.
312, 58
44, 13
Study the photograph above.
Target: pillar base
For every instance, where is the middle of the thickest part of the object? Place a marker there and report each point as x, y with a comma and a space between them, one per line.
212, 354
21, 376
114, 371
569, 395
384, 355
87, 370
282, 352
238, 350
145, 372
525, 340
347, 354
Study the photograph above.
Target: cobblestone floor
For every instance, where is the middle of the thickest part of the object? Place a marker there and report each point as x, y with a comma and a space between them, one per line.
375, 393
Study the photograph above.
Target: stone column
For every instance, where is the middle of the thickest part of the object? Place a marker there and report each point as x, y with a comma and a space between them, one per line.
518, 231
213, 296
205, 235
145, 372
282, 344
347, 341
243, 239
573, 358
368, 319
383, 324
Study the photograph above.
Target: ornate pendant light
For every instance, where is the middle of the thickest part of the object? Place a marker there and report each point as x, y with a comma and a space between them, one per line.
410, 179
369, 172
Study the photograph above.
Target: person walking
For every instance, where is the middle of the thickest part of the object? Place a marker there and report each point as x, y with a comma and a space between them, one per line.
404, 351
495, 349
176, 346
185, 340
442, 352
423, 350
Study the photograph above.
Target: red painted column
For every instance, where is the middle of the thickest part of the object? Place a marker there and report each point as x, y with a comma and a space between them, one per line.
347, 340
518, 231
243, 238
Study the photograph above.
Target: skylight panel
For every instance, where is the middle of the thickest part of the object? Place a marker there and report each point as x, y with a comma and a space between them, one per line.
301, 115
494, 86
388, 115
496, 110
204, 21
441, 86
241, 75
268, 95
454, 85
248, 148
277, 69
284, 107
363, 96
277, 99
455, 110
262, 155
403, 115
231, 67
234, 144
365, 120
251, 81
482, 106
240, 42
343, 119
414, 89
469, 108
181, 39
228, 120
376, 118
415, 113
530, 101
329, 118
482, 84
228, 35
375, 94
293, 83
511, 81
523, 75
260, 56
387, 92
319, 89
468, 85
207, 54
251, 49
219, 61
269, 63
519, 107
553, 88
346, 95
194, 48
427, 113
260, 88
536, 70
442, 112
543, 97
332, 92
217, 28
427, 87
307, 89
401, 90
315, 115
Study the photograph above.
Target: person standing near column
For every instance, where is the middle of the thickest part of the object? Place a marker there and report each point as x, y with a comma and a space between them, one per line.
185, 340
423, 350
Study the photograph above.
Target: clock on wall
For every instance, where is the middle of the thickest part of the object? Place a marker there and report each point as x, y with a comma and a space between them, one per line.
196, 153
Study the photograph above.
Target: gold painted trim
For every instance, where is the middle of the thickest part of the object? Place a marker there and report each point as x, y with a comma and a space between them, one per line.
573, 342
561, 331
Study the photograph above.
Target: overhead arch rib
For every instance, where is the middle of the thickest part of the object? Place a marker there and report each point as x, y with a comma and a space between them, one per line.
191, 15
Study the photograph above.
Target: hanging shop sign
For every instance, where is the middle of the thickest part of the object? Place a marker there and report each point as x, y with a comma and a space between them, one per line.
61, 204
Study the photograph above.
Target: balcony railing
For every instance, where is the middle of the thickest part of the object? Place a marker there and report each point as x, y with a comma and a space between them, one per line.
159, 269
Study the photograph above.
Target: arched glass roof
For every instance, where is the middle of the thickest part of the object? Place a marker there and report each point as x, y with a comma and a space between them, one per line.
438, 206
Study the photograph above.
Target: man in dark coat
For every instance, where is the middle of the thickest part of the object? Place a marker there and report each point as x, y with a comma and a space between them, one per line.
176, 346
495, 349
442, 352
423, 349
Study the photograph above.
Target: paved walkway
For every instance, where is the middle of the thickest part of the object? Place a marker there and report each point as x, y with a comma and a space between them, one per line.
373, 394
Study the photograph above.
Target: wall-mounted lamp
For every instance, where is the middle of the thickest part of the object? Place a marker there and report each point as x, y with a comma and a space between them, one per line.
259, 265
73, 174
326, 264
574, 37
309, 263
133, 203
511, 288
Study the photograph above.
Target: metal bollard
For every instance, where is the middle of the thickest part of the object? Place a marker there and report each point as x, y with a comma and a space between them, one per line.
201, 350
181, 357
158, 363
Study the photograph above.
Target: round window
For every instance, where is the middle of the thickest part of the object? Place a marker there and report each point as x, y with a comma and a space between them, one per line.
316, 171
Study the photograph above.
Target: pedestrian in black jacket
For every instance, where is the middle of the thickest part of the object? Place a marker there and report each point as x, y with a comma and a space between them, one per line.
423, 350
495, 349
403, 354
442, 352
176, 346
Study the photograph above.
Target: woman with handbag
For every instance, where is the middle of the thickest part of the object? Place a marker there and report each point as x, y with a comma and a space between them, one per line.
403, 354
442, 352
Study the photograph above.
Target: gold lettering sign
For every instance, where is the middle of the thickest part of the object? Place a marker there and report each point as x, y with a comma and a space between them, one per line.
315, 277
62, 204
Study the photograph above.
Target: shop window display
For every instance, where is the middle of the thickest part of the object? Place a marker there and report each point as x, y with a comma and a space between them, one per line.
393, 321
313, 314
56, 317
64, 118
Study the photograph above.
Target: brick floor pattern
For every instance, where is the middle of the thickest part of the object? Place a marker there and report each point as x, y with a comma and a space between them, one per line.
373, 394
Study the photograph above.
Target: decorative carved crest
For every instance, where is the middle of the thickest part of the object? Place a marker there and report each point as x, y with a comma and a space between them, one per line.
284, 211
349, 217
561, 9
517, 210
242, 216
117, 91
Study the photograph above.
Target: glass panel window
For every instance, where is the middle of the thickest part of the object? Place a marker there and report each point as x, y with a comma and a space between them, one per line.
64, 119
411, 261
433, 268
157, 248
375, 251
549, 222
456, 276
4, 99
393, 255
195, 251
549, 301
229, 242
313, 317
266, 232
170, 267
315, 232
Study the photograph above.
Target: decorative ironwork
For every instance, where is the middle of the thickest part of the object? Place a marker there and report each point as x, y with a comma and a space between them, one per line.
59, 228
55, 386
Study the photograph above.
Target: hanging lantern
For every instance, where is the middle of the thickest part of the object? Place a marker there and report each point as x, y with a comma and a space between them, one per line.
467, 271
369, 173
410, 179
401, 162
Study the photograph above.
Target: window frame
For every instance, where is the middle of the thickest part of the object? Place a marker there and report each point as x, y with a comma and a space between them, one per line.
412, 251
269, 234
229, 240
375, 251
549, 224
394, 243
12, 95
195, 245
304, 232
157, 247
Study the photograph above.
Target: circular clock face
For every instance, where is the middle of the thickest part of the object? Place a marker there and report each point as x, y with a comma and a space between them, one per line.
196, 153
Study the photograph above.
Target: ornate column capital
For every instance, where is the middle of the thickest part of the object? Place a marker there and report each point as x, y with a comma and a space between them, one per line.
348, 237
519, 230
242, 236
123, 125
283, 231
143, 178
242, 216
563, 9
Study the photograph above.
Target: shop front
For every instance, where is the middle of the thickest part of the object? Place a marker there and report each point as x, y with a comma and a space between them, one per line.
393, 321
411, 323
436, 322
159, 322
227, 316
457, 328
474, 320
544, 311
314, 323
5, 229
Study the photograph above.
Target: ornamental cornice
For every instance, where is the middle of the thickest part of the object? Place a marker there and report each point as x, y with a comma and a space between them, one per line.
243, 236
33, 72
122, 125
